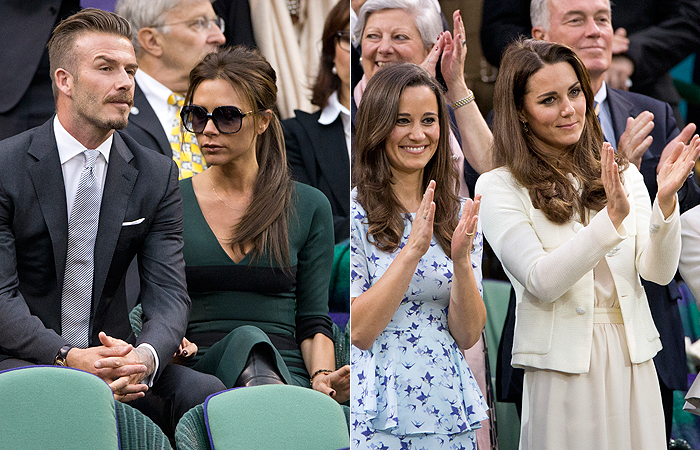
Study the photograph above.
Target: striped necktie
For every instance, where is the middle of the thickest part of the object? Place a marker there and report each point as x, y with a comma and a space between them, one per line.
186, 152
76, 299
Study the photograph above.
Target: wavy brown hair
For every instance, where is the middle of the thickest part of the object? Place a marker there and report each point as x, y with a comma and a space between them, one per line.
327, 82
551, 191
264, 223
376, 118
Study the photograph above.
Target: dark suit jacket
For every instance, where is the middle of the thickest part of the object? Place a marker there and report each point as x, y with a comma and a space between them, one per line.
239, 25
33, 238
318, 156
663, 300
26, 28
145, 127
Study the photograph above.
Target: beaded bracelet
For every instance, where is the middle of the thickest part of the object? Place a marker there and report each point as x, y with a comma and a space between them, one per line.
465, 101
319, 371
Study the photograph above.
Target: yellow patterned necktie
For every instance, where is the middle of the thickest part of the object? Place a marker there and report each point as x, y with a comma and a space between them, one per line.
186, 154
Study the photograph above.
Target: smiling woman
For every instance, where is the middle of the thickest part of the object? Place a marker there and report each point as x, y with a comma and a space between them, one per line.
570, 221
413, 141
416, 279
554, 108
394, 31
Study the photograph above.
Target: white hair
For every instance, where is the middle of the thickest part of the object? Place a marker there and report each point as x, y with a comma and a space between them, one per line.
424, 12
145, 13
539, 13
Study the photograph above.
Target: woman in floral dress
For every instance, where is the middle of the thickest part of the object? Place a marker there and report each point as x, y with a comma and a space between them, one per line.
415, 273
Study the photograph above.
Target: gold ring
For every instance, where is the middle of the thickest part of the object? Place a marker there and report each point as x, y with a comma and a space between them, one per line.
470, 234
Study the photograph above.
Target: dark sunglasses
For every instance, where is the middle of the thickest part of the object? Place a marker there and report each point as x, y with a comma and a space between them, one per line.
227, 119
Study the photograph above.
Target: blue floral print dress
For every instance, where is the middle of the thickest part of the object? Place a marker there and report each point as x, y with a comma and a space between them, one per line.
413, 388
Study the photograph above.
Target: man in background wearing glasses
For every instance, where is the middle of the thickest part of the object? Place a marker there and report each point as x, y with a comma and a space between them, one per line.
169, 37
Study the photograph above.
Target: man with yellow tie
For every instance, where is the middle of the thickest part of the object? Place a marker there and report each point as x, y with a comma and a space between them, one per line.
170, 38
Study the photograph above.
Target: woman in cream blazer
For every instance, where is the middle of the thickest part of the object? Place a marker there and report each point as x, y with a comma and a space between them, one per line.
551, 269
574, 228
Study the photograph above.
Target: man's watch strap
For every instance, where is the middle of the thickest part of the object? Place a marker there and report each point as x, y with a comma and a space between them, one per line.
61, 356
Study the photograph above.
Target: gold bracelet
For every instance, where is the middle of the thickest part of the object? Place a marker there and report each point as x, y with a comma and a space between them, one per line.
319, 371
465, 101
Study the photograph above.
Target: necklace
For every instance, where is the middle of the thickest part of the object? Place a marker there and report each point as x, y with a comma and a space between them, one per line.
222, 200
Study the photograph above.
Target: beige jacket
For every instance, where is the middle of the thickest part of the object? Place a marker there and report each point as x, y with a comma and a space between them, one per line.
551, 269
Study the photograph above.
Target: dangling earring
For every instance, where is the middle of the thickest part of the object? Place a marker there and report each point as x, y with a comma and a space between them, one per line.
334, 70
526, 129
360, 59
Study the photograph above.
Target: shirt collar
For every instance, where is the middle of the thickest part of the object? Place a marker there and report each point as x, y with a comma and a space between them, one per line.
602, 94
332, 110
154, 90
69, 147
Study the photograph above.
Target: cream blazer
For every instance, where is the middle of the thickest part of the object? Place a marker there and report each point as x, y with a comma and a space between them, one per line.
551, 269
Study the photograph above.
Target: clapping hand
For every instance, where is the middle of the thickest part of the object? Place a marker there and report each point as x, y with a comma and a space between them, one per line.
454, 54
635, 141
674, 171
422, 228
463, 236
453, 48
618, 203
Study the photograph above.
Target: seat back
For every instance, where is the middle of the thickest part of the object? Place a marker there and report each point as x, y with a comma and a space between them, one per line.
275, 416
57, 408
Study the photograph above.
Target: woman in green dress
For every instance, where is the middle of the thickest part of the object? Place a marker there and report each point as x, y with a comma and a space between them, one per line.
258, 246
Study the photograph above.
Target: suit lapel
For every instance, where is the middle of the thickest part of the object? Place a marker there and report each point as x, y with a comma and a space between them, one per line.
119, 184
330, 152
47, 179
620, 110
147, 120
332, 157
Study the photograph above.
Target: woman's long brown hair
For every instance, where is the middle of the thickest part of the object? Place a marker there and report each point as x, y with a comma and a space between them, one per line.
264, 223
551, 191
376, 118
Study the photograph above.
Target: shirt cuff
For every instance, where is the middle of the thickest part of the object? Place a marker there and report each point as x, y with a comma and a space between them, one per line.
149, 381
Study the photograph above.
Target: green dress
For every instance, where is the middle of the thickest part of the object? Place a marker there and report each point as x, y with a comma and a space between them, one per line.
238, 305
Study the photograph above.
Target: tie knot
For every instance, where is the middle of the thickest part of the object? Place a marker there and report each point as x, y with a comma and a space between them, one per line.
90, 158
176, 100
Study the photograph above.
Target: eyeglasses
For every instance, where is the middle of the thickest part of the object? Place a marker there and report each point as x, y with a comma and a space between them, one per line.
227, 119
343, 39
201, 23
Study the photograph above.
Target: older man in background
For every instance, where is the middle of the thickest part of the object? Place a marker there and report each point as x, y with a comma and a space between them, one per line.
170, 37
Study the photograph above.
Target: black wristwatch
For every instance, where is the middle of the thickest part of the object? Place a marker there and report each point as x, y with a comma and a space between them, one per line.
61, 356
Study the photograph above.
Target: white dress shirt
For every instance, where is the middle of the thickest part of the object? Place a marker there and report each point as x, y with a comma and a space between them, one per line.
157, 95
604, 115
72, 162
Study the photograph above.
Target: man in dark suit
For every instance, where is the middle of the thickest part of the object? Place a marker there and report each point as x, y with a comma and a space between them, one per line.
654, 36
645, 131
169, 41
59, 308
